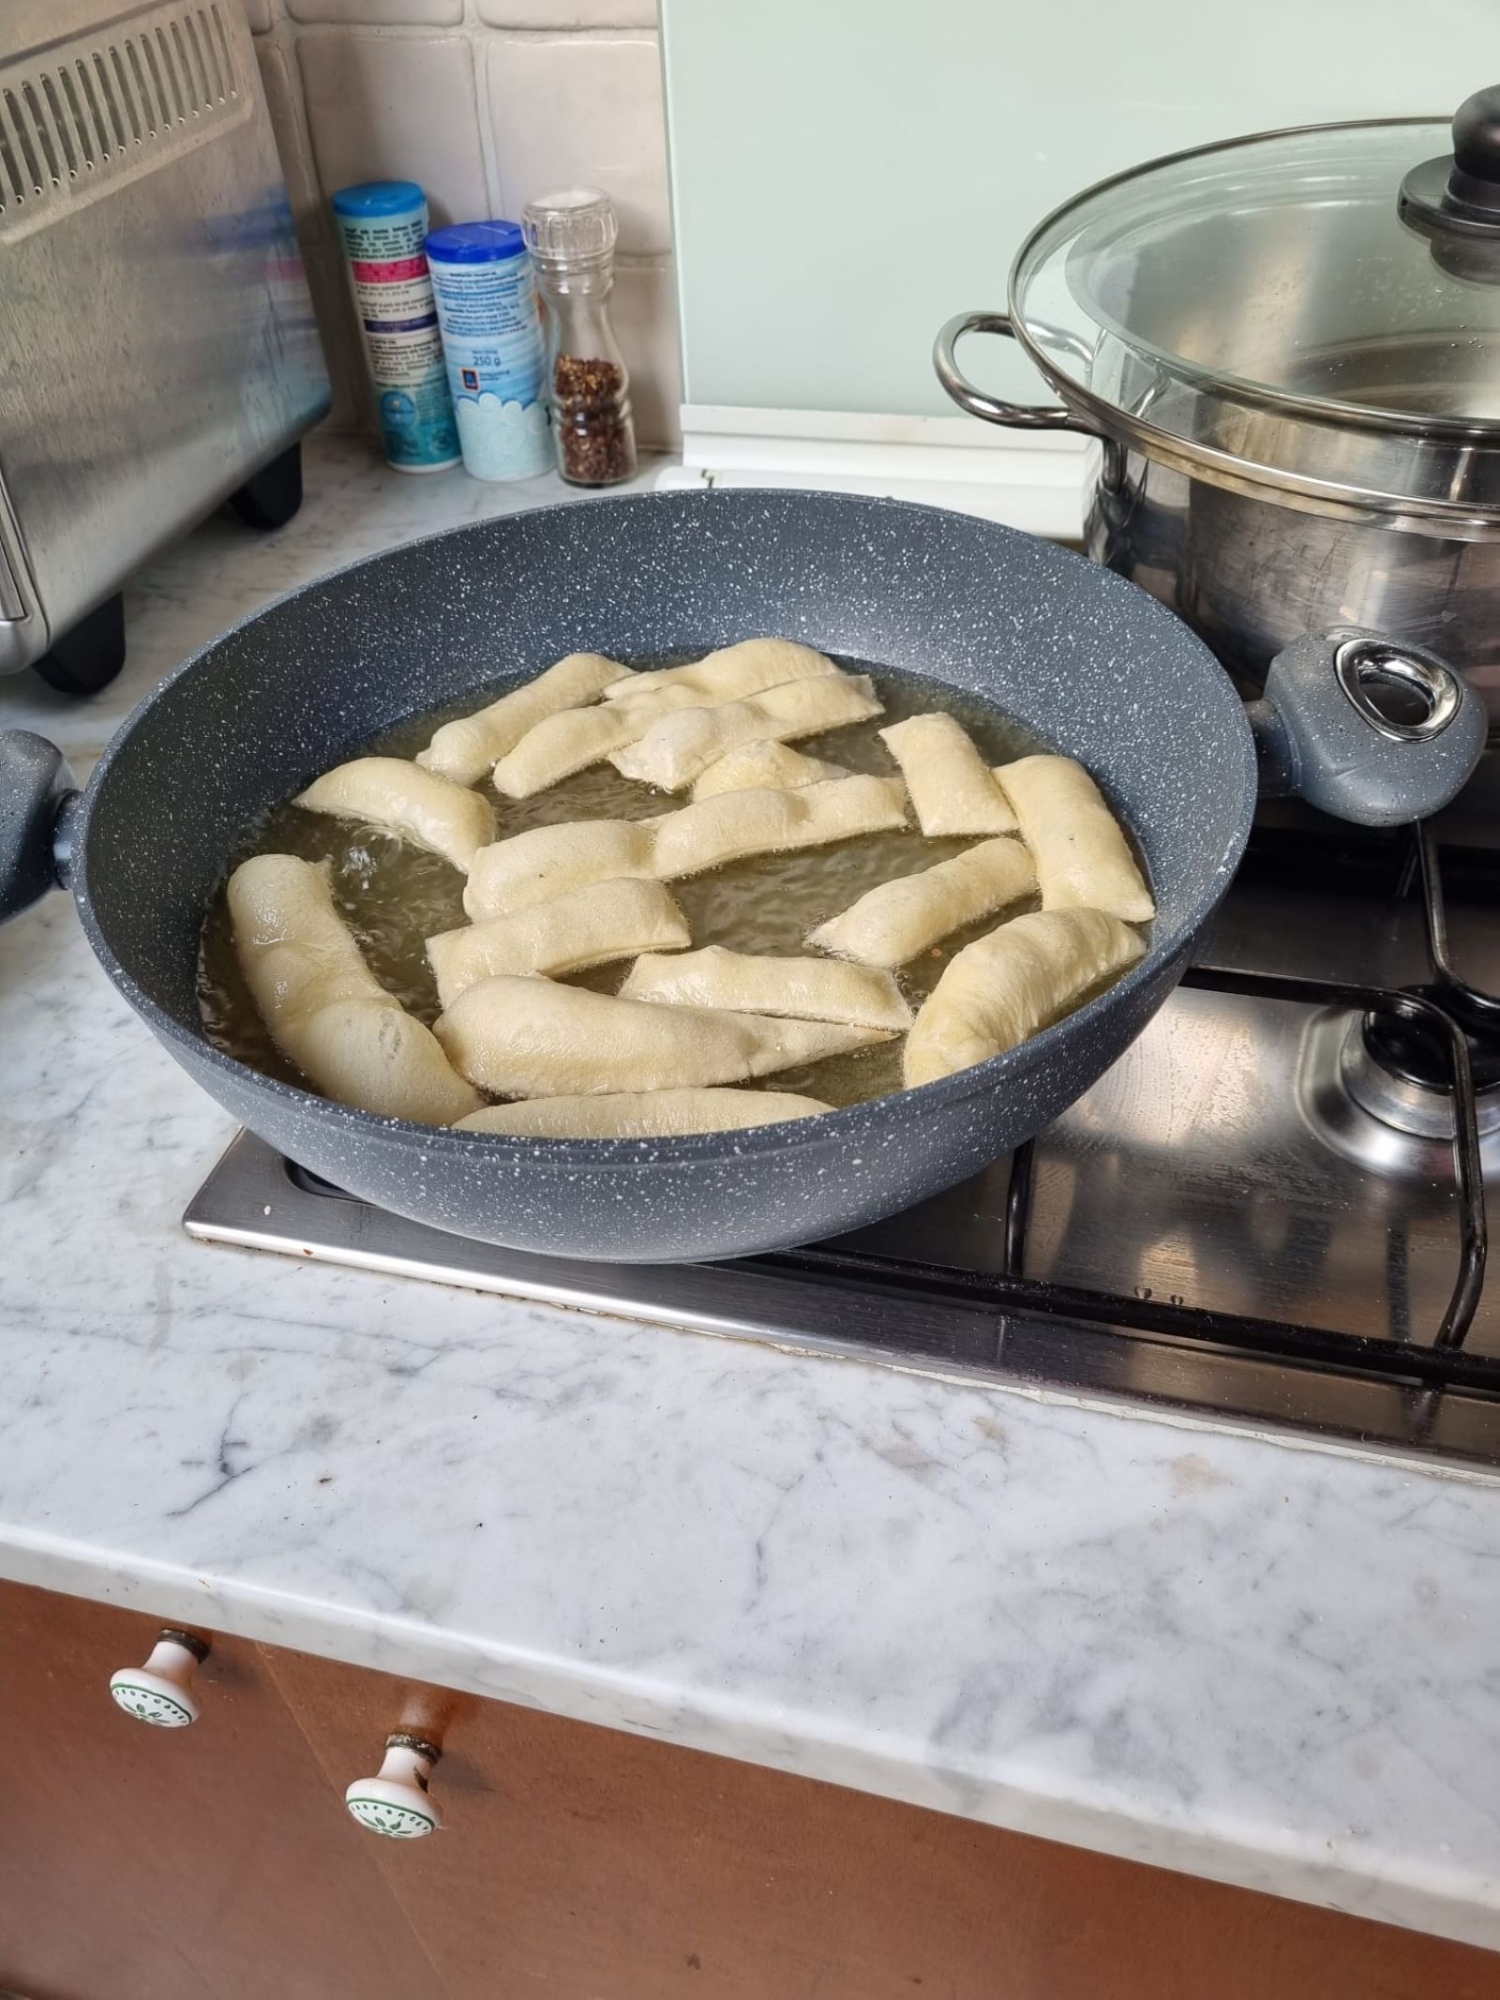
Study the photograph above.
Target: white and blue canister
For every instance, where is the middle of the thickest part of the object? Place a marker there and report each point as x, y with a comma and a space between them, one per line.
492, 338
383, 225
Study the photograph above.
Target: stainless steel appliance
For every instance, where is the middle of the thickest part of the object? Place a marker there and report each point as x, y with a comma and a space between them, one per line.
1257, 1216
1288, 347
158, 339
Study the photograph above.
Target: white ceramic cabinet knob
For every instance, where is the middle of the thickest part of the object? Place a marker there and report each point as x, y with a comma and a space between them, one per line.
395, 1801
160, 1691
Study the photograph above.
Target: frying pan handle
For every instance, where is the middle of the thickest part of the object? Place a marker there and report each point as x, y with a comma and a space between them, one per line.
36, 791
1366, 728
1016, 416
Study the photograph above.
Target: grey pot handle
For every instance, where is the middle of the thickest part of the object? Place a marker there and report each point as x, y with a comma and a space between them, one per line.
36, 792
1366, 728
1018, 416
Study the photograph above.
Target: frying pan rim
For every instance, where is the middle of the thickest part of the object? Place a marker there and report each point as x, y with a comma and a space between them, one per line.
847, 1122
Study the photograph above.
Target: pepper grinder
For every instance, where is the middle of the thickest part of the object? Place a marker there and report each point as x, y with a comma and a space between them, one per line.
571, 236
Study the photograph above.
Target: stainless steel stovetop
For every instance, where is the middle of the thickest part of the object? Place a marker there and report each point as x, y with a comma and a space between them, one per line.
1277, 1245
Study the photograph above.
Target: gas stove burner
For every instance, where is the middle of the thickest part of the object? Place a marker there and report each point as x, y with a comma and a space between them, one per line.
1408, 1052
1398, 1072
1370, 1088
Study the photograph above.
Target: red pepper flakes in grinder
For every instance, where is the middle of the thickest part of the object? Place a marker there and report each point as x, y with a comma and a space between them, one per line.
571, 236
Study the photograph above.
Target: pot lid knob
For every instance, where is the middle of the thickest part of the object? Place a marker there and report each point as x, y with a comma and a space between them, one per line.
1476, 152
1459, 193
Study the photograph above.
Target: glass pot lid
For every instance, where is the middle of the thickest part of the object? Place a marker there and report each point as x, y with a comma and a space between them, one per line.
1281, 302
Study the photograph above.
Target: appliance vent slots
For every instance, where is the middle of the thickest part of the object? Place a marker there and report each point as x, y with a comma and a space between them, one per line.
109, 102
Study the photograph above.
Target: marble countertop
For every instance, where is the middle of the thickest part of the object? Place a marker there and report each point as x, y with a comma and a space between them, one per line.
1248, 1658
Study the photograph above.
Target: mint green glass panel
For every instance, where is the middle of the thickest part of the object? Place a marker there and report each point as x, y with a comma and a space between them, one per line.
848, 173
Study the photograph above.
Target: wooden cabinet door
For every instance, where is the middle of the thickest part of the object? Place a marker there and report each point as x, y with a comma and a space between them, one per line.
582, 1864
210, 1863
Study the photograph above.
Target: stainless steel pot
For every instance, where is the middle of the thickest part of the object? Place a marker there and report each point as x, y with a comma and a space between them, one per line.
1288, 350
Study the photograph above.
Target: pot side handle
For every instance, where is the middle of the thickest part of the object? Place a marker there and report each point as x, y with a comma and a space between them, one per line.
1366, 728
36, 793
994, 410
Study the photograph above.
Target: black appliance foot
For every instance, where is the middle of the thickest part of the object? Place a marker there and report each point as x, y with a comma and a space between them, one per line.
87, 659
271, 496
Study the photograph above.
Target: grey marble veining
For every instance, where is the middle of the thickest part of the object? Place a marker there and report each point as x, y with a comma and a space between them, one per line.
1270, 1664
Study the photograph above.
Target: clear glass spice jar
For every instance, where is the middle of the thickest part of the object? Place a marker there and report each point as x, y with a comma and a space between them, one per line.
571, 236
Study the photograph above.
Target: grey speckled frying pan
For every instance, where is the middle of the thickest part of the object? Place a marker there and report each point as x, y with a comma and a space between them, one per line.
1098, 668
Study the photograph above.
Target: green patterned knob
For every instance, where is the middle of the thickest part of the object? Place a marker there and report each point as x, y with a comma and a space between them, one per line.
159, 1692
395, 1801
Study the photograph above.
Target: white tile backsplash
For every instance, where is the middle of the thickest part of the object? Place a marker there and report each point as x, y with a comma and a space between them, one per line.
568, 13
645, 318
583, 108
383, 107
485, 103
380, 13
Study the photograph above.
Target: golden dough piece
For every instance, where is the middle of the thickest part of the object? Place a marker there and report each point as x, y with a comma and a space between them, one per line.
738, 824
1083, 860
548, 861
325, 1009
568, 933
736, 671
953, 790
1007, 985
421, 807
295, 950
679, 747
531, 1038
468, 748
807, 989
890, 924
377, 1056
570, 741
763, 766
643, 1114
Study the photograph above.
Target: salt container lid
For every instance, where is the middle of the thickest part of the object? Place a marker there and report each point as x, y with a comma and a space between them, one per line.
476, 243
376, 198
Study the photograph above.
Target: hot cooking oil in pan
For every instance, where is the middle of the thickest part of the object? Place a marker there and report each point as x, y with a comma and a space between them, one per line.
395, 896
